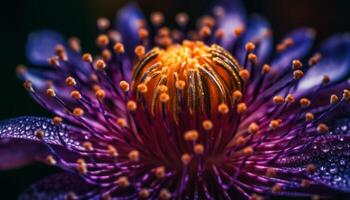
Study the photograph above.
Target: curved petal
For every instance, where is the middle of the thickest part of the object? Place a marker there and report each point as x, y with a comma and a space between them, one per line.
335, 63
233, 18
41, 46
19, 145
18, 153
259, 33
25, 128
128, 24
303, 40
330, 154
56, 187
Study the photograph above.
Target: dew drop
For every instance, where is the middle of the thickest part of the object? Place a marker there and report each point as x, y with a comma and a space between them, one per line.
342, 162
325, 149
344, 128
333, 169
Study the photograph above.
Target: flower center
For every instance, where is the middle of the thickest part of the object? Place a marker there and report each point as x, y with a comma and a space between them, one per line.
190, 77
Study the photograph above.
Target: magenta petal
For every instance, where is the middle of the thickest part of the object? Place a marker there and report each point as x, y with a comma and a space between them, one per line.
56, 187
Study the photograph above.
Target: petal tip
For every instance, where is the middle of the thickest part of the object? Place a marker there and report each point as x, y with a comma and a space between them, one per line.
40, 45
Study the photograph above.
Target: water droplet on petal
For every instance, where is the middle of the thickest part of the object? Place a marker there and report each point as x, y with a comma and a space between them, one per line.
325, 149
333, 168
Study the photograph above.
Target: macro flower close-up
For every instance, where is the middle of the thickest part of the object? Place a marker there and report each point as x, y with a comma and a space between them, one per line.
212, 107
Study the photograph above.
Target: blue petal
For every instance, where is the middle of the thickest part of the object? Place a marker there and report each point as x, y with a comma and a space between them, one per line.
41, 46
335, 63
303, 40
37, 77
128, 19
257, 28
56, 187
234, 17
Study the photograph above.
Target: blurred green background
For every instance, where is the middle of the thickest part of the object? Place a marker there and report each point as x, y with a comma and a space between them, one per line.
78, 17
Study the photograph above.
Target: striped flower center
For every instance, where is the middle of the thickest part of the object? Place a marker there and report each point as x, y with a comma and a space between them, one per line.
190, 77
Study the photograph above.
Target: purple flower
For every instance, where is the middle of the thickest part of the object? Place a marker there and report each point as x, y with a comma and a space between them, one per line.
212, 113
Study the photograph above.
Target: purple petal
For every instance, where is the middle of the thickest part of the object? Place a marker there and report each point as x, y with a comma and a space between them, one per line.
258, 28
234, 18
56, 187
38, 77
41, 46
330, 154
18, 153
303, 40
19, 145
335, 63
25, 127
128, 19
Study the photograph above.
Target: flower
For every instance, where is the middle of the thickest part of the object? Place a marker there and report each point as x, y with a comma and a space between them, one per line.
212, 113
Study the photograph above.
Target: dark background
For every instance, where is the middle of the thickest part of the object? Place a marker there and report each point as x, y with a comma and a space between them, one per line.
77, 18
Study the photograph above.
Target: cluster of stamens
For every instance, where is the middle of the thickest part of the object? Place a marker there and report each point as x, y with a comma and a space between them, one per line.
191, 77
190, 111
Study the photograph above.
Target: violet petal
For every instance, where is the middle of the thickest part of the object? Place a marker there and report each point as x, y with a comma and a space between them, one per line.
234, 17
329, 153
257, 33
335, 63
16, 153
24, 128
41, 46
128, 19
56, 187
303, 39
